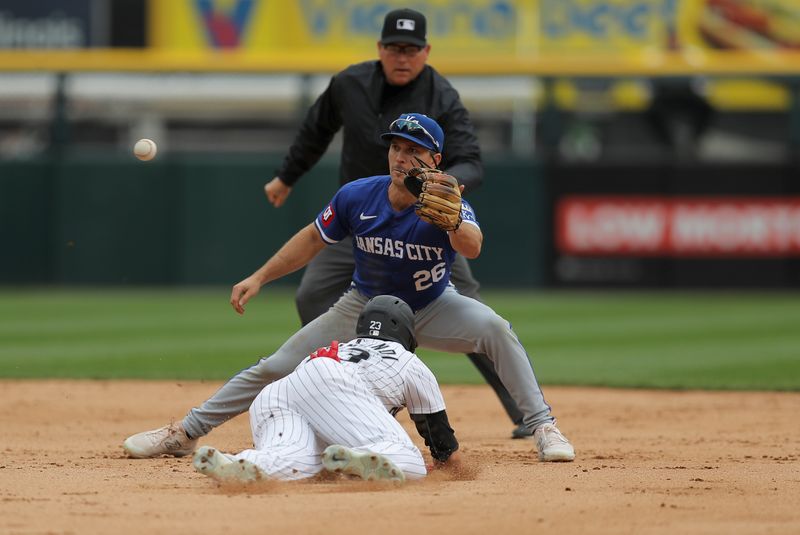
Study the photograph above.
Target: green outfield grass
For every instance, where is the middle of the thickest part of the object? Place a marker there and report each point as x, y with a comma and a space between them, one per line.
621, 339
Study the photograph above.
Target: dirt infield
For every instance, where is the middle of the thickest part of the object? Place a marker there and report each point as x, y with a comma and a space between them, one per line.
648, 462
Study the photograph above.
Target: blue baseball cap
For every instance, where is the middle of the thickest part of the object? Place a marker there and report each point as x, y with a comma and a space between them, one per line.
418, 128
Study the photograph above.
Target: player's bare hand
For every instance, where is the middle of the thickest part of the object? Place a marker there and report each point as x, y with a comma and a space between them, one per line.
277, 192
242, 292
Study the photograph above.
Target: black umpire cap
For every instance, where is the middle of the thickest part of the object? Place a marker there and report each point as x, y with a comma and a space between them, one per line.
404, 26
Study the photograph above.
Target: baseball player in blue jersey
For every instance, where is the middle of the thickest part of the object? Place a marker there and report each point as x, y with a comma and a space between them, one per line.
400, 249
335, 410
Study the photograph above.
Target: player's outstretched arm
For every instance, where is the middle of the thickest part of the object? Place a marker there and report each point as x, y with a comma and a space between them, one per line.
439, 436
439, 203
467, 240
295, 253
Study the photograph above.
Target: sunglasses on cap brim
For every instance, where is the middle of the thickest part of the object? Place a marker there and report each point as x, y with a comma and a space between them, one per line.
410, 127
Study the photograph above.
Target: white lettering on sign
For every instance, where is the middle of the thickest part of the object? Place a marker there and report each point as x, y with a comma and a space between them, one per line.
615, 226
665, 226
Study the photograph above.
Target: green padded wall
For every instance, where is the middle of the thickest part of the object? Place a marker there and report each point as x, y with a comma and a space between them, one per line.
205, 220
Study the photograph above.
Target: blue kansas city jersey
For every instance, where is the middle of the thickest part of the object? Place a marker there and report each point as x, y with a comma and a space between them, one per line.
396, 253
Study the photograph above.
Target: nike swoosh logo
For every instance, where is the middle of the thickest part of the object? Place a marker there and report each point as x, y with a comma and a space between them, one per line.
365, 217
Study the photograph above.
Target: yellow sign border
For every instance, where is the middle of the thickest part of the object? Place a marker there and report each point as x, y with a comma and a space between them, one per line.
646, 64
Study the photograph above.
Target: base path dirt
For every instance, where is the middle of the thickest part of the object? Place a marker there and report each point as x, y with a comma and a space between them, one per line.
648, 462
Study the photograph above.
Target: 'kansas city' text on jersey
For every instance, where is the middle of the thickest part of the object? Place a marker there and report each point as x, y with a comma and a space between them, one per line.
396, 253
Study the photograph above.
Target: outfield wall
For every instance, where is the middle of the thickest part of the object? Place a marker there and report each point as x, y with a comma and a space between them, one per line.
190, 220
113, 220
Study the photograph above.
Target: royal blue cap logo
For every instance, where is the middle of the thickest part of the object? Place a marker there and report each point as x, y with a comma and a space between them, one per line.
418, 128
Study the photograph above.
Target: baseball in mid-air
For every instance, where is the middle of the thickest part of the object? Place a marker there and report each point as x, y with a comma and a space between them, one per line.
145, 149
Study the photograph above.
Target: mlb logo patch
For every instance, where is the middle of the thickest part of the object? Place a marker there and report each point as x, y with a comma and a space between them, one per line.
405, 24
327, 216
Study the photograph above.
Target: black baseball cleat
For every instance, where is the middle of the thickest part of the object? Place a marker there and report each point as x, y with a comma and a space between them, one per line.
521, 432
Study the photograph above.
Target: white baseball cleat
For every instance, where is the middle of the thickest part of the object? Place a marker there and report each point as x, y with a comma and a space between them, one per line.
552, 445
168, 440
213, 463
364, 464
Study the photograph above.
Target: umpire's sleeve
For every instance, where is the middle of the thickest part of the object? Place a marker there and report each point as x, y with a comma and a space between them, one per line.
438, 435
322, 122
462, 155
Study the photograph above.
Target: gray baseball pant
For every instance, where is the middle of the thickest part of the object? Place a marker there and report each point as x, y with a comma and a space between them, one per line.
452, 322
329, 274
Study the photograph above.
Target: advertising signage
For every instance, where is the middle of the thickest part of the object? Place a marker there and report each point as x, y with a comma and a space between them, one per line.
547, 37
712, 226
48, 24
691, 225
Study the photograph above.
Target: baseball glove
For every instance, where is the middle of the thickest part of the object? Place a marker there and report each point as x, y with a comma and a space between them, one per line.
438, 197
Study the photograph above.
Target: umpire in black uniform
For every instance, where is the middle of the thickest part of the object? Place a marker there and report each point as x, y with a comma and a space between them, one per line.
363, 99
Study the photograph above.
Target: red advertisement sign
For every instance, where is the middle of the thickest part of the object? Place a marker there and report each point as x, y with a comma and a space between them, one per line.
678, 226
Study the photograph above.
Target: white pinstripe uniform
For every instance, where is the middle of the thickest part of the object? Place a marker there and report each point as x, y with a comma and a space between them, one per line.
351, 403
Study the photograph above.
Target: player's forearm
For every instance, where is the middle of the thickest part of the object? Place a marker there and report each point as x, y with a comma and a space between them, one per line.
439, 436
295, 253
305, 152
466, 240
315, 134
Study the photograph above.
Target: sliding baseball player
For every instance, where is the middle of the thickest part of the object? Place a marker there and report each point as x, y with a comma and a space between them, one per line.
335, 411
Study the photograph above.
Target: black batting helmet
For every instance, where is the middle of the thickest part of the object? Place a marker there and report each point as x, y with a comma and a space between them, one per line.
387, 318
